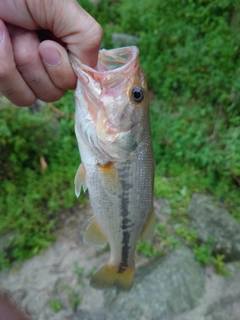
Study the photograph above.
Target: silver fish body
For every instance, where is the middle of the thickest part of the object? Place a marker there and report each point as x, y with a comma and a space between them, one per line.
114, 137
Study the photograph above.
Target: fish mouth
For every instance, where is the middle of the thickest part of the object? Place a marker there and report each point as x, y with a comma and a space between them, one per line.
110, 60
123, 60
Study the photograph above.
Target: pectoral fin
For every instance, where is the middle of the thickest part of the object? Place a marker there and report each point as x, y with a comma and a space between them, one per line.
148, 229
94, 236
80, 180
109, 177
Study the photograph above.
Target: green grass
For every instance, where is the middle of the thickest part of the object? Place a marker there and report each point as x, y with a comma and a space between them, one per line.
55, 305
30, 197
190, 51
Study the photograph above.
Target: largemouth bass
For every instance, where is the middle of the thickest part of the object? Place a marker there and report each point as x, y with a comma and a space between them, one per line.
113, 132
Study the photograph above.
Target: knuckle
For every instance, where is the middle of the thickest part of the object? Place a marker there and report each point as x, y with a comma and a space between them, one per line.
97, 34
24, 58
5, 71
52, 95
20, 101
28, 100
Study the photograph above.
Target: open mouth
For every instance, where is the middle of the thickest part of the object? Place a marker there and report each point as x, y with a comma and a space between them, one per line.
116, 58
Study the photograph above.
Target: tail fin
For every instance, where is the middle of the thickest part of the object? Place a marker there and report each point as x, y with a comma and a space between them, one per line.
109, 276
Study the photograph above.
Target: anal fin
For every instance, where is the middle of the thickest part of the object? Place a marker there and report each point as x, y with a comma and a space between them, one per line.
80, 180
94, 236
148, 228
109, 276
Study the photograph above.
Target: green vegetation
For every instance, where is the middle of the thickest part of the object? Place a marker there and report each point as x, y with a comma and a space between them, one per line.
73, 296
79, 272
55, 305
164, 241
68, 295
190, 52
31, 197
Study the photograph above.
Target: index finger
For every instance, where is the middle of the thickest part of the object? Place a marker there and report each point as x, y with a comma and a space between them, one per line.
83, 37
66, 19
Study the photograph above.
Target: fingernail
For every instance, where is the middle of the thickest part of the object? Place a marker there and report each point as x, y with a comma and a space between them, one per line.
51, 56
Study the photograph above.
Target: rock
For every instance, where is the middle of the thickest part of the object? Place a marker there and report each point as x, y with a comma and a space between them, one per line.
51, 275
86, 314
162, 206
81, 313
228, 306
221, 299
173, 287
214, 221
123, 39
172, 284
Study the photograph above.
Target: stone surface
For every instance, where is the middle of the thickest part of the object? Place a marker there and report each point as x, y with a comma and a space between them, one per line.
52, 275
221, 299
174, 287
214, 222
162, 206
172, 284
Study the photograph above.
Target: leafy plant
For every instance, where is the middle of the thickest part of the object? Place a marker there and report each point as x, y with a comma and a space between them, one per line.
31, 196
163, 242
220, 265
56, 305
79, 272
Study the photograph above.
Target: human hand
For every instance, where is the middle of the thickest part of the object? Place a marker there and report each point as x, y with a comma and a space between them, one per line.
31, 68
9, 311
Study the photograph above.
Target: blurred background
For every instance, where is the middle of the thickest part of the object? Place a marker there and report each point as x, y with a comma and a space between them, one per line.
190, 51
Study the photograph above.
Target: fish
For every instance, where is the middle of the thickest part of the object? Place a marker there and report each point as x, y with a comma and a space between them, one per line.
112, 126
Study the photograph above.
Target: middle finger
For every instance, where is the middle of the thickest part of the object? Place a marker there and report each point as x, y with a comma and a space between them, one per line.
29, 64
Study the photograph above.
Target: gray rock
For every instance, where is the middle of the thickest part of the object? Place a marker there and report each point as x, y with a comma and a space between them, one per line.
223, 311
86, 314
221, 299
213, 221
81, 313
172, 284
162, 206
123, 39
174, 287
19, 295
228, 306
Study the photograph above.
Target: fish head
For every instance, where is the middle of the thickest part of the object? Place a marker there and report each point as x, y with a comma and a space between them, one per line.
114, 96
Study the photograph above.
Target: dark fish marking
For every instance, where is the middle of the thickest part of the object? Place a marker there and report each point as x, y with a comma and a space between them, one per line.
125, 223
124, 212
125, 251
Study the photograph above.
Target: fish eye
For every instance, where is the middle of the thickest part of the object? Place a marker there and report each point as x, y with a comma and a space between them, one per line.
137, 94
